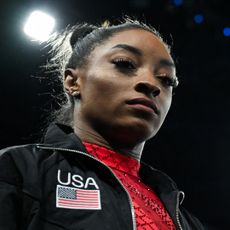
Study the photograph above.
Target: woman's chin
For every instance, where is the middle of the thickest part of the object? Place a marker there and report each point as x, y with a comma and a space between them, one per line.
133, 133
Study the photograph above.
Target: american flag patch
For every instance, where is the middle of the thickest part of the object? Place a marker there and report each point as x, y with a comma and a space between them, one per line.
75, 198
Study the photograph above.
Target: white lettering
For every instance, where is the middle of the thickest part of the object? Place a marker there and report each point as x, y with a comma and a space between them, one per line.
91, 181
59, 178
78, 179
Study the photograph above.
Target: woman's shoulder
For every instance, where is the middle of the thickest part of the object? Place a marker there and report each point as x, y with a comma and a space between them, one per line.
14, 164
19, 154
20, 162
15, 149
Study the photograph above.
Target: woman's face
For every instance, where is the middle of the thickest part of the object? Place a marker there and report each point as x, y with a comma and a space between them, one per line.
126, 87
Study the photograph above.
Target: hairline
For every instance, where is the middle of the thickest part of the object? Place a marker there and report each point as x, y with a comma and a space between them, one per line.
118, 30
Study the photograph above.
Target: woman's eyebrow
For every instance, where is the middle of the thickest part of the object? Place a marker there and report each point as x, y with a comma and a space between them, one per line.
129, 48
167, 63
134, 50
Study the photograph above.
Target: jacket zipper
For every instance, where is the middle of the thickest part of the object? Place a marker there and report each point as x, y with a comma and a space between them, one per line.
177, 208
81, 152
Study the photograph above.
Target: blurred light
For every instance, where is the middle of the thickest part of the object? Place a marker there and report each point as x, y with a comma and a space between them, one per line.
39, 26
178, 2
199, 18
226, 31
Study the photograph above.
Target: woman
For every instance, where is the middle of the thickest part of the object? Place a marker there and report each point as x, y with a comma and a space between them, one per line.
119, 82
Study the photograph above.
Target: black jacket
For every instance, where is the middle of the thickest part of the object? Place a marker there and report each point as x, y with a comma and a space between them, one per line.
34, 178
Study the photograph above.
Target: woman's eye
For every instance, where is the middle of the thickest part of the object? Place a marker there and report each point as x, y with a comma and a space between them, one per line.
168, 81
124, 64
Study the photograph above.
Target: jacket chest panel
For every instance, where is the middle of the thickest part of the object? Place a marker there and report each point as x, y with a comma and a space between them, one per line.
70, 193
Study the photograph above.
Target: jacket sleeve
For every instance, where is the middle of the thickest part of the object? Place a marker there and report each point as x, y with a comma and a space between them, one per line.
192, 221
10, 193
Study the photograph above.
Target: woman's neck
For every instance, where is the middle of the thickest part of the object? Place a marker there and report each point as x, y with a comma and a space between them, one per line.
88, 135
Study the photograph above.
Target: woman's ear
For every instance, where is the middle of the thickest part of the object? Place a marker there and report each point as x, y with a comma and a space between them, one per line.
71, 85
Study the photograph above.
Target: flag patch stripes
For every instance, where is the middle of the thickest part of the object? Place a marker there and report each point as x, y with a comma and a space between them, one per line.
75, 198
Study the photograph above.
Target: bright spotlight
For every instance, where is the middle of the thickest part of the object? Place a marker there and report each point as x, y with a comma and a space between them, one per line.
39, 26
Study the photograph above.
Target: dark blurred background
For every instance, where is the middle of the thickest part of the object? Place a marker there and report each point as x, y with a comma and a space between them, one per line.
193, 144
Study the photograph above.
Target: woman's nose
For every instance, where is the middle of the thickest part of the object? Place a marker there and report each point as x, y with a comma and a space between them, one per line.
147, 88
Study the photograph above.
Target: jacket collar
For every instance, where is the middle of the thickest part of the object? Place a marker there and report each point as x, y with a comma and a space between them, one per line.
62, 136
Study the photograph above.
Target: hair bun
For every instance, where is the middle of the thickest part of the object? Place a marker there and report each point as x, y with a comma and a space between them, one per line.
79, 32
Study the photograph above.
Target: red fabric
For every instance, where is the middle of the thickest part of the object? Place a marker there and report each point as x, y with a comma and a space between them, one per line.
149, 210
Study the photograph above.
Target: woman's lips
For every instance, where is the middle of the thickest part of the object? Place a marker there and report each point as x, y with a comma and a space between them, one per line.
143, 103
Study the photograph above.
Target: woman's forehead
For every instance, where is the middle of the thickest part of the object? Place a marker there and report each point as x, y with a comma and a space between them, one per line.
134, 36
136, 41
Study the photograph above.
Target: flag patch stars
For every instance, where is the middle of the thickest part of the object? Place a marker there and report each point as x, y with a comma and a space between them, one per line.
75, 198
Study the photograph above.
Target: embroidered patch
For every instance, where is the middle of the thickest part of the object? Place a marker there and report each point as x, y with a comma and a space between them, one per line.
75, 198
